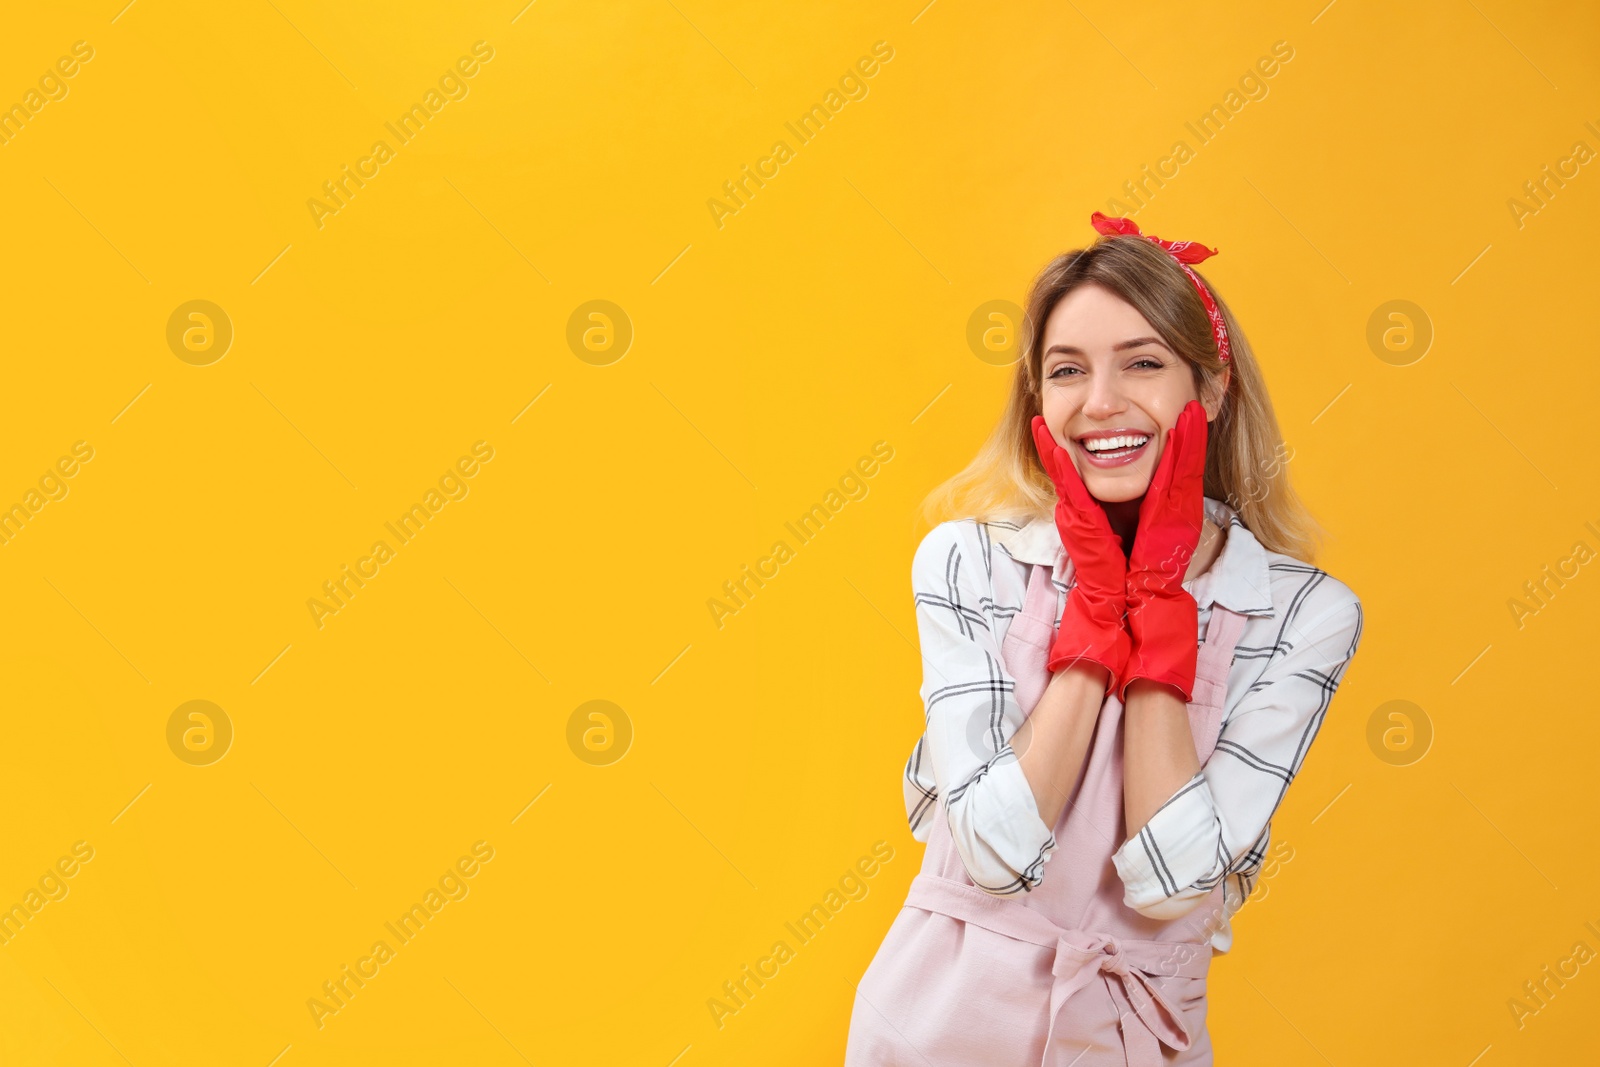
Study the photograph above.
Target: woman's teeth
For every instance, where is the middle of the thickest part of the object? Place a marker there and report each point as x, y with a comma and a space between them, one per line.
1115, 447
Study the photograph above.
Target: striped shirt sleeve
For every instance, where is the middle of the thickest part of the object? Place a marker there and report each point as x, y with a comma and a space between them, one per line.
971, 715
1218, 823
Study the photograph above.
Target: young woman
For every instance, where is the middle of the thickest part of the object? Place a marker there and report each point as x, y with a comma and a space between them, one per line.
1127, 654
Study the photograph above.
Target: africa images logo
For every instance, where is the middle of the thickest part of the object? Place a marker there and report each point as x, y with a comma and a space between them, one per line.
452, 86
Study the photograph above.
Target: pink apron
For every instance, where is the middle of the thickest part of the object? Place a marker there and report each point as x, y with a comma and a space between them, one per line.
1065, 974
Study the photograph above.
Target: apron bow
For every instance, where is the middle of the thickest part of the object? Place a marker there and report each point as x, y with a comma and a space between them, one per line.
1127, 966
1148, 1018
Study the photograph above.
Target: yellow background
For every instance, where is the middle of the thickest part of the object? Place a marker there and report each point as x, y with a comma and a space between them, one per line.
768, 356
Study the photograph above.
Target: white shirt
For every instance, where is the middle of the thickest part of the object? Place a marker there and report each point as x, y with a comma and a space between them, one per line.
970, 580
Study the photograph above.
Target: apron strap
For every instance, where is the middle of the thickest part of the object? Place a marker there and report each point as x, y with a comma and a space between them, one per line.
1027, 644
1211, 678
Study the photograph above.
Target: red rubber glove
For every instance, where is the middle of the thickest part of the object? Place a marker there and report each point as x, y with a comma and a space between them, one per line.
1162, 616
1092, 626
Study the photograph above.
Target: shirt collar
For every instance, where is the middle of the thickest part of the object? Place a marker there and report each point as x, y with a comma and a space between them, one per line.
1238, 578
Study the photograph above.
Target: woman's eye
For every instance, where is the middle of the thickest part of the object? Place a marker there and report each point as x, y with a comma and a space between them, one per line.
1067, 370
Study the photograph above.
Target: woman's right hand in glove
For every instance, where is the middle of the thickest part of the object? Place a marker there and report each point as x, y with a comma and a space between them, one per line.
1094, 621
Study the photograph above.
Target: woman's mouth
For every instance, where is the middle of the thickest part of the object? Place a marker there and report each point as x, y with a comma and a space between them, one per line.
1116, 451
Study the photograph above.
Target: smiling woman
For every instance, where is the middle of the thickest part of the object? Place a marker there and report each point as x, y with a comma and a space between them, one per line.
1119, 666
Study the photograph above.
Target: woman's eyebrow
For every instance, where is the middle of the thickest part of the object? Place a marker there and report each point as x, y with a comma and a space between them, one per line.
1137, 342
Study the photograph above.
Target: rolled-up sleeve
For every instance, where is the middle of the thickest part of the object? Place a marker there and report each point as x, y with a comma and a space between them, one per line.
971, 714
1218, 822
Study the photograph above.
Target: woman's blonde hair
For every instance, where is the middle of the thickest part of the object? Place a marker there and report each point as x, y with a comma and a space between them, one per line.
1245, 461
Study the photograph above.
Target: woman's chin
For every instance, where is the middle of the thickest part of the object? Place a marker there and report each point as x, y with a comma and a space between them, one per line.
1116, 490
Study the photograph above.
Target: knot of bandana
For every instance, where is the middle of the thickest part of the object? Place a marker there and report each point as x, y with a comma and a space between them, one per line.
1185, 252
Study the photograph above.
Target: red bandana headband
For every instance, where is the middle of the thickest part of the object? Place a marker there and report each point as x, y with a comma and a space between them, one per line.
1185, 252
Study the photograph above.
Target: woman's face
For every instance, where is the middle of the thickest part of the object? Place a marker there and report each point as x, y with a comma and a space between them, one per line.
1108, 374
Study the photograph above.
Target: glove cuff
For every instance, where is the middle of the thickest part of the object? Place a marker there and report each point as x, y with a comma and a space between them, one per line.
1091, 630
1164, 639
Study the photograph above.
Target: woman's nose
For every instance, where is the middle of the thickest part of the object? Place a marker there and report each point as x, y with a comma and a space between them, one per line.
1105, 398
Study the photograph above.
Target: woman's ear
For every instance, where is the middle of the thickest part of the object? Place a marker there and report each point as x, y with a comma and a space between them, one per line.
1213, 403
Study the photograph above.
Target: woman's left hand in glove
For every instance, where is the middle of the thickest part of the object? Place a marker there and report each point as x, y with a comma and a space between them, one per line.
1163, 618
